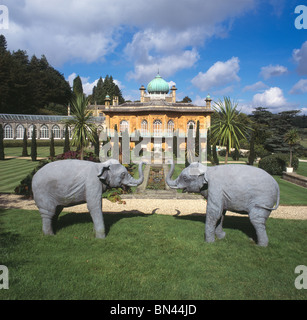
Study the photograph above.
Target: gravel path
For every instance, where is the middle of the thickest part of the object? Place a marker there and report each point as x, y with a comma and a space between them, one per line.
149, 206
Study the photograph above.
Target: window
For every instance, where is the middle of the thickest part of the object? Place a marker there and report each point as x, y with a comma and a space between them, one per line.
56, 132
123, 126
157, 128
8, 132
20, 131
144, 128
193, 127
170, 127
44, 132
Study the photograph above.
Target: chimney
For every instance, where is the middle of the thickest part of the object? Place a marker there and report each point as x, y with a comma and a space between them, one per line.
68, 109
142, 89
208, 102
173, 89
115, 101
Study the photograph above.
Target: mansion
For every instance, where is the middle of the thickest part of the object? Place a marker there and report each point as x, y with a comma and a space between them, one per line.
156, 116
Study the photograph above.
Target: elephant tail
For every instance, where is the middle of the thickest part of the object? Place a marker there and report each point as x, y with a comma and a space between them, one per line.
277, 202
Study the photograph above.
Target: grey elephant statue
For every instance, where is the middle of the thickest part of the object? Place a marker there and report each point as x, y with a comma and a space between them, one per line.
234, 187
67, 183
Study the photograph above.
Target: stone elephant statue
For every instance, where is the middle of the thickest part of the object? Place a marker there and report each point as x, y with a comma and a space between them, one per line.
234, 187
67, 183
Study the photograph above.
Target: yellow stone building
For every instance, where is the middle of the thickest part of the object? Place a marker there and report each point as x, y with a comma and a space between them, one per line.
156, 115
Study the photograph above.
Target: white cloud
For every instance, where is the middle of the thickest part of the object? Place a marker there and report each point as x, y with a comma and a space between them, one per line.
270, 98
76, 30
218, 75
300, 57
273, 71
168, 65
255, 87
299, 87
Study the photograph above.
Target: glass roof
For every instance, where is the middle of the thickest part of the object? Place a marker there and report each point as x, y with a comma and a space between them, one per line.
44, 118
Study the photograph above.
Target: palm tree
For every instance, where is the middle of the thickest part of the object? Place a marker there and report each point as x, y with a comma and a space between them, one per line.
84, 128
291, 137
227, 128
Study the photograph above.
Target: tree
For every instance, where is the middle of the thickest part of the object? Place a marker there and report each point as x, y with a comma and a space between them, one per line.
66, 141
227, 128
2, 157
84, 128
33, 145
77, 86
25, 144
291, 138
186, 99
52, 151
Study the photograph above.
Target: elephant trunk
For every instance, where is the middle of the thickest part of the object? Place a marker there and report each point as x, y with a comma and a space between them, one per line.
171, 183
135, 182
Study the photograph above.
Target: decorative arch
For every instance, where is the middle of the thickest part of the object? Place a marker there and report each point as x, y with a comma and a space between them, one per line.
20, 131
44, 132
157, 128
8, 132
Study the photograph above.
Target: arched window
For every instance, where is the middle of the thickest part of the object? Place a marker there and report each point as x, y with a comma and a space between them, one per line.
123, 126
44, 132
56, 132
170, 127
20, 131
8, 132
193, 127
157, 128
144, 128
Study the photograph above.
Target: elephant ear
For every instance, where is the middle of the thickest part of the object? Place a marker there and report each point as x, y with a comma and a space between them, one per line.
103, 174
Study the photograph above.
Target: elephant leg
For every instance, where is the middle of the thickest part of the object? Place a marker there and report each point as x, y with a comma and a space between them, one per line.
258, 217
219, 229
96, 214
47, 218
213, 214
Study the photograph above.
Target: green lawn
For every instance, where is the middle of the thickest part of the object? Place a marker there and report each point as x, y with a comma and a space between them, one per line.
148, 257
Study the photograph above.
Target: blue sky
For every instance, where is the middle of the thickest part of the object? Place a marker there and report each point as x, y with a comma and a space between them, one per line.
249, 50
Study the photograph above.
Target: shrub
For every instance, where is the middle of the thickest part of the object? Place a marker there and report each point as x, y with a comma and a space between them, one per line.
275, 164
25, 186
89, 156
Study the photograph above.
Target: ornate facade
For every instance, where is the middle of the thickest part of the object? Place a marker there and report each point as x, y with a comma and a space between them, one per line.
157, 114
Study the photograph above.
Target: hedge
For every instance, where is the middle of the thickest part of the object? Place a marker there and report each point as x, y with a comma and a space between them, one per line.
39, 143
275, 164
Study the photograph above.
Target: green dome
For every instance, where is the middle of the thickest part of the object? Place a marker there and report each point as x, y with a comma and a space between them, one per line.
158, 85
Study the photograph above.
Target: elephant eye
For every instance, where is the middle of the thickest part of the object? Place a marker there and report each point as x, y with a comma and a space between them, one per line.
123, 174
185, 178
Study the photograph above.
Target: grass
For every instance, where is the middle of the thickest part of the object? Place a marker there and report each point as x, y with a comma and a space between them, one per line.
12, 171
148, 257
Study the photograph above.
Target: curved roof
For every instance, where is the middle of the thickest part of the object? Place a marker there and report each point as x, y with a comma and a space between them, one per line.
158, 85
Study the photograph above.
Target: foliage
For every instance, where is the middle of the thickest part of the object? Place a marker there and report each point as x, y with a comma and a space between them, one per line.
106, 87
2, 156
25, 186
84, 127
89, 156
52, 151
27, 86
291, 137
66, 140
77, 86
275, 164
33, 145
25, 144
228, 127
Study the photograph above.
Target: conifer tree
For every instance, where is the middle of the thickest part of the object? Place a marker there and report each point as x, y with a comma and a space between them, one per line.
33, 145
66, 142
25, 144
1, 144
52, 151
